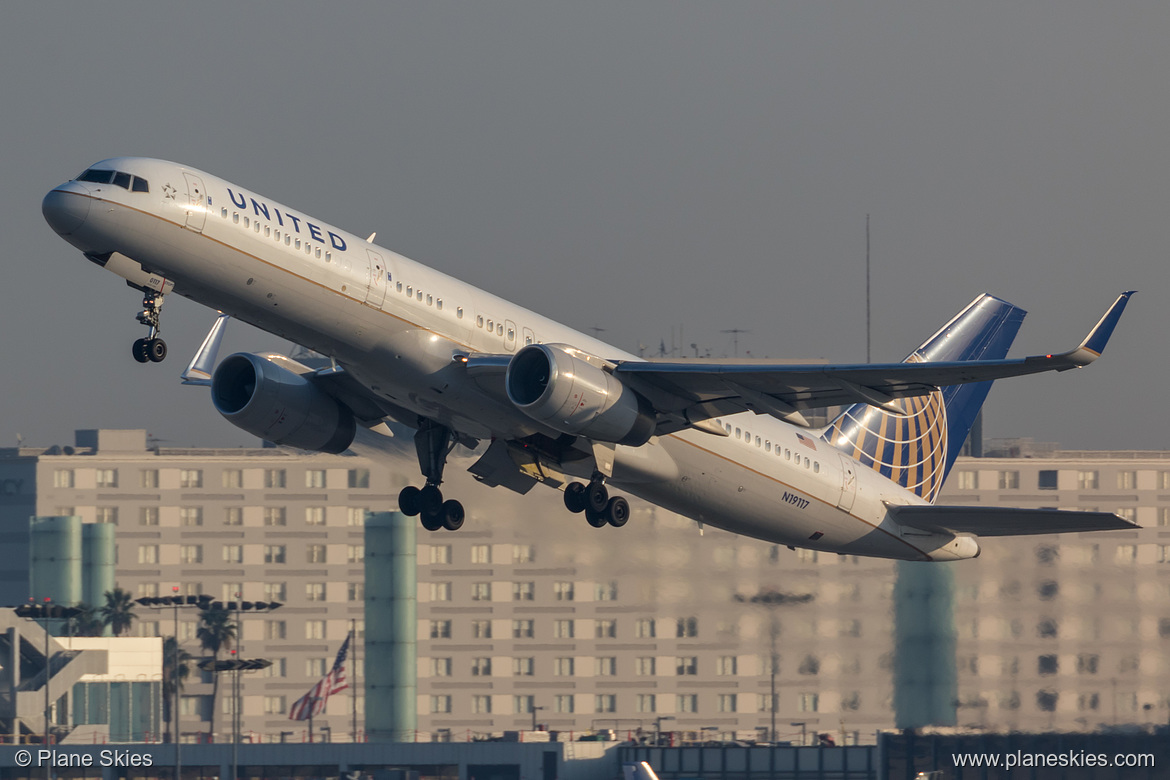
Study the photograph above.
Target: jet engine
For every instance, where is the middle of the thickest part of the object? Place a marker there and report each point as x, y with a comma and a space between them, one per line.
266, 399
569, 392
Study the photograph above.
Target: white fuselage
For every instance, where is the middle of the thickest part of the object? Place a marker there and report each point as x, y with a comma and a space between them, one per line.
396, 326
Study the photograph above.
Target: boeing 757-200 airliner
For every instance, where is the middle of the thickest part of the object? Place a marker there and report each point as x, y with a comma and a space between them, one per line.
723, 443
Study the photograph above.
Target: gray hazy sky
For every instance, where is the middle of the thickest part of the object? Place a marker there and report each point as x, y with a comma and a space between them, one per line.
635, 166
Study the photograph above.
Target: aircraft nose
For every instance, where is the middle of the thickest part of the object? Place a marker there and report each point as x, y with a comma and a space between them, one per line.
65, 208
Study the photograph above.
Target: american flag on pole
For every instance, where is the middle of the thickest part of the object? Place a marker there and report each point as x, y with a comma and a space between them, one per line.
313, 702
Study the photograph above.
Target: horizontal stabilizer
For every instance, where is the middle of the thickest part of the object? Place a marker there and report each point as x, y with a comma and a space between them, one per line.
997, 521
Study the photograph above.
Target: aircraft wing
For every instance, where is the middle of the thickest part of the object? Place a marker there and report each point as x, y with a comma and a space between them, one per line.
692, 391
997, 521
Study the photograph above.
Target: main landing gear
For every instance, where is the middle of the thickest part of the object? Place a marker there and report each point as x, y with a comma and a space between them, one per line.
151, 348
433, 443
594, 500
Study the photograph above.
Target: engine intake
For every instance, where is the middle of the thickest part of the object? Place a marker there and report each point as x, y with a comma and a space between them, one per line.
554, 385
268, 400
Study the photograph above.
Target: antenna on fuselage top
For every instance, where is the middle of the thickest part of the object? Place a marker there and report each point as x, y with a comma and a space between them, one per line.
370, 240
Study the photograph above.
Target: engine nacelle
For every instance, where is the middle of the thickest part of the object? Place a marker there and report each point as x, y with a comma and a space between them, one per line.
558, 386
268, 400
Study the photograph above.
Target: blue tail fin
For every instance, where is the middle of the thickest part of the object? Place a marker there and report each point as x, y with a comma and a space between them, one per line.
917, 449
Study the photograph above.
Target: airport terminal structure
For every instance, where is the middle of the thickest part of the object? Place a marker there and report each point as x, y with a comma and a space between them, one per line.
529, 616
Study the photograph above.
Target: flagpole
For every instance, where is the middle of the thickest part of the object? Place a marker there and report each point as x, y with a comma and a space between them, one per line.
353, 688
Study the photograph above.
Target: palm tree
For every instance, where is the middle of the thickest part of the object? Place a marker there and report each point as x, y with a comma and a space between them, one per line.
118, 612
86, 622
216, 632
174, 675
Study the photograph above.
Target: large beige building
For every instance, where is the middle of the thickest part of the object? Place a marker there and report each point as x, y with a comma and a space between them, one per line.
660, 624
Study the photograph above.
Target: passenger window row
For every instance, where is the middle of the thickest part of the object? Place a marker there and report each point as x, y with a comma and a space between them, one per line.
274, 233
746, 437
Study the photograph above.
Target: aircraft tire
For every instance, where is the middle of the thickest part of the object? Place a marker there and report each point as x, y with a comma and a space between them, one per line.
617, 511
156, 350
575, 497
430, 500
596, 519
431, 522
452, 515
409, 502
139, 350
596, 496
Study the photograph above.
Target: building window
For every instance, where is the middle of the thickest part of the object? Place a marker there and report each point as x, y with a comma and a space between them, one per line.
314, 629
107, 514
274, 515
481, 705
191, 553
440, 553
605, 702
645, 702
563, 702
808, 702
147, 589
279, 668
726, 665
1009, 480
727, 702
441, 704
233, 515
968, 480
522, 629
314, 668
148, 478
563, 591
644, 665
63, 478
1047, 479
315, 553
687, 665
562, 629
355, 553
563, 667
274, 553
314, 515
148, 515
359, 478
107, 478
356, 591
481, 629
481, 667
314, 591
190, 515
605, 629
687, 627
1087, 480
605, 591
440, 629
148, 553
1126, 480
523, 553
190, 478
481, 591
273, 705
357, 515
231, 590
315, 478
644, 628
440, 591
276, 591
523, 591
523, 667
481, 553
274, 478
275, 629
440, 667
232, 478
606, 666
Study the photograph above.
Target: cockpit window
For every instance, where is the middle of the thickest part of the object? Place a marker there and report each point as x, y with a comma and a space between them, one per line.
119, 178
97, 176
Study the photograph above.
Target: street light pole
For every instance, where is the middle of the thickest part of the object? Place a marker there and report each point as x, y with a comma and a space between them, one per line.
175, 685
534, 709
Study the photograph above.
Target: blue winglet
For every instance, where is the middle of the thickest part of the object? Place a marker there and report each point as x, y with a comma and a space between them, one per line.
1094, 344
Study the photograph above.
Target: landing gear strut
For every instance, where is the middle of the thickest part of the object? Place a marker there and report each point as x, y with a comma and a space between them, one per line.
434, 443
151, 348
594, 500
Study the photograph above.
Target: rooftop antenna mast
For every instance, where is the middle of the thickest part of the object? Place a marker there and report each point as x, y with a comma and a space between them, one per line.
735, 337
867, 319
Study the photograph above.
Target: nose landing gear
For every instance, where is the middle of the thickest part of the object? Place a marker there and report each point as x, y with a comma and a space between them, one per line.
150, 349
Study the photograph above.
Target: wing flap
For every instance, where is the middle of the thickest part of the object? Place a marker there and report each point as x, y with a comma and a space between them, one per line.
1004, 521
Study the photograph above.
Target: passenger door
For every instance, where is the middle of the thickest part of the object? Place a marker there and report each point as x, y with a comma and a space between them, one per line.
196, 202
